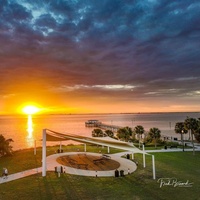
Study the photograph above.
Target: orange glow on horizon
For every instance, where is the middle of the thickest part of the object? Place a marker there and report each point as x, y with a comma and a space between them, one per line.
61, 105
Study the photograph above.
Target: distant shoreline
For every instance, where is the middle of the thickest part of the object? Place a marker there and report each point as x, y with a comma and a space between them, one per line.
131, 113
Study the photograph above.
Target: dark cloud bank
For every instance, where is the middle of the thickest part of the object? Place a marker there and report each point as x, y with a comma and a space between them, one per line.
133, 48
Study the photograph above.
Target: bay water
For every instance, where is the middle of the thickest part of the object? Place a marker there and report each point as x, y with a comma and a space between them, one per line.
25, 130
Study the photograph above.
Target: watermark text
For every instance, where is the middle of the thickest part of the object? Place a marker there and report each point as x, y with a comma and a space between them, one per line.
173, 182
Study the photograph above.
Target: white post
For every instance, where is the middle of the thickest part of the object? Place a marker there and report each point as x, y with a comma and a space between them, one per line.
108, 149
154, 170
144, 161
133, 156
44, 153
35, 147
60, 146
85, 147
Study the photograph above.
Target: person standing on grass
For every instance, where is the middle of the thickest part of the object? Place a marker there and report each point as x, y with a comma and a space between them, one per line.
6, 173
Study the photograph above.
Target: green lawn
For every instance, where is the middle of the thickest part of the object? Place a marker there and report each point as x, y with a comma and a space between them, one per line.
182, 165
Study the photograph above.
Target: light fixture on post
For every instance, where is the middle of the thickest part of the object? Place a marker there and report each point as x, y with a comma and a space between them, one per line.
182, 132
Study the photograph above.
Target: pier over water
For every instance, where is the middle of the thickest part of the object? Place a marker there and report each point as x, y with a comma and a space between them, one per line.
98, 124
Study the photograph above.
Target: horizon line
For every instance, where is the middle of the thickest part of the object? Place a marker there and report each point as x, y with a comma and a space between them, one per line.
109, 113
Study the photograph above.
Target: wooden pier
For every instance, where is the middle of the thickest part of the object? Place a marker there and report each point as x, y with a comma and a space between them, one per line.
98, 124
92, 123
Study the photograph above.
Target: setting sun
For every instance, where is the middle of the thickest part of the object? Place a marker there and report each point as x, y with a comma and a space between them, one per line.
30, 110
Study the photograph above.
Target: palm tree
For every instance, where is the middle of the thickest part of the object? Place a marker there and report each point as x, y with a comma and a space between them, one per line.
97, 132
197, 132
109, 133
192, 125
139, 130
179, 128
154, 133
124, 133
197, 135
5, 148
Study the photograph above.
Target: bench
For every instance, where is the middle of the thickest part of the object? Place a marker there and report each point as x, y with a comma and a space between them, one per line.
99, 160
106, 156
82, 164
173, 146
72, 161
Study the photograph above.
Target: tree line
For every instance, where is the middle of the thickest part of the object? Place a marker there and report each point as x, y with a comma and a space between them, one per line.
127, 134
138, 134
5, 147
192, 126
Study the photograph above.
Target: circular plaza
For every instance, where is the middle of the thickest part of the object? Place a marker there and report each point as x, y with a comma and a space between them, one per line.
90, 164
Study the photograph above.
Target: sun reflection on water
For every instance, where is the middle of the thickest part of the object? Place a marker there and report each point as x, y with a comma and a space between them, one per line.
30, 139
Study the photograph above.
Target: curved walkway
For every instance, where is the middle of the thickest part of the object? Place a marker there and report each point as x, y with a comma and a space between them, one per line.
52, 164
125, 164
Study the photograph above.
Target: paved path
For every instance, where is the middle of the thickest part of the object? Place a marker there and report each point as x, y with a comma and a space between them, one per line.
125, 164
19, 175
171, 150
51, 164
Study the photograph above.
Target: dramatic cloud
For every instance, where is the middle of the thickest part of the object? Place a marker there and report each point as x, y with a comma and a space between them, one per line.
123, 50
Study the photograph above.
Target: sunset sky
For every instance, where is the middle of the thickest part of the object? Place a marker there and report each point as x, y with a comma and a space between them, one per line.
100, 56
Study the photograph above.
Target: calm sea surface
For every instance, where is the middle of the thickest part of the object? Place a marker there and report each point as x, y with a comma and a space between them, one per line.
25, 130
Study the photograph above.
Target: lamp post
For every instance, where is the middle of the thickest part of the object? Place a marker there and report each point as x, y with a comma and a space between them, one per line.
144, 163
182, 132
